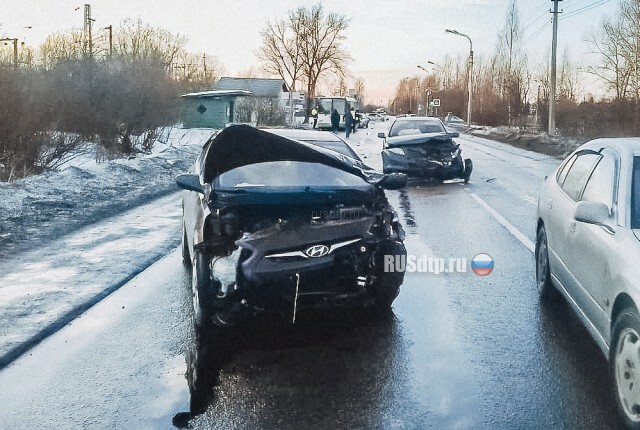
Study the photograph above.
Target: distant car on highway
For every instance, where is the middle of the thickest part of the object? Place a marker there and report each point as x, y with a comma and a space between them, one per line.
276, 225
588, 249
422, 147
375, 117
453, 121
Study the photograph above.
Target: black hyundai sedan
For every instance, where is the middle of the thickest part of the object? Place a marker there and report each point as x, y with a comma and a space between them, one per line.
273, 224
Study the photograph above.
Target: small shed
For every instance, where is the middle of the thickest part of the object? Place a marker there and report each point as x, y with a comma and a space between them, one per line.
212, 108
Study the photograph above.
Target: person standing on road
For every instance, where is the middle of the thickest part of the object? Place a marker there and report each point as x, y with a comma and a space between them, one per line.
348, 122
335, 120
354, 121
314, 115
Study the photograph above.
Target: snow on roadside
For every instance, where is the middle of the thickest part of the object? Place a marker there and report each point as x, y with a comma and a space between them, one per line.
41, 208
55, 258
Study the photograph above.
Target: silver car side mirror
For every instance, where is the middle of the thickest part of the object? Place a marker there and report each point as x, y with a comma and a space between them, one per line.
591, 212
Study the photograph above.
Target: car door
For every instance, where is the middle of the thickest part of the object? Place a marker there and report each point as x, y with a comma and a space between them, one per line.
560, 224
593, 259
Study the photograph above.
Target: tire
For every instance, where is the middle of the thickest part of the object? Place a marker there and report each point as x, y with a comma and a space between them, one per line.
546, 290
624, 366
468, 168
202, 291
186, 255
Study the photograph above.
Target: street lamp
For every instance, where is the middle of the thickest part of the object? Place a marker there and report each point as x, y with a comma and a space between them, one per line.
470, 71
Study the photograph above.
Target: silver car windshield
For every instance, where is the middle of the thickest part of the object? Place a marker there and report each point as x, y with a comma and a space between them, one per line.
404, 128
287, 174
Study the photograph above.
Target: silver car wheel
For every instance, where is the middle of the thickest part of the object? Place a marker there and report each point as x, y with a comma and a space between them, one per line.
543, 274
627, 373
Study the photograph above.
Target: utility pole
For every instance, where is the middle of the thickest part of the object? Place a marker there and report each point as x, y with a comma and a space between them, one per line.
110, 28
88, 42
554, 47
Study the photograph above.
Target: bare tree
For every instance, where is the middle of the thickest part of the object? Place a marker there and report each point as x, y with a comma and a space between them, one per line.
614, 67
281, 50
569, 79
511, 63
320, 42
139, 42
61, 47
359, 86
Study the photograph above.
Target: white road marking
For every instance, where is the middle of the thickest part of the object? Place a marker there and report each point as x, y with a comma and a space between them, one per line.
506, 224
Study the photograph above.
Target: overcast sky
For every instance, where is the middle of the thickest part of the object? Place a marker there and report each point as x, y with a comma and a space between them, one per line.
386, 38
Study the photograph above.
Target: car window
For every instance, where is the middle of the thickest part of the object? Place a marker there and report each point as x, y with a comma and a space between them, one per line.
635, 194
290, 174
562, 173
601, 186
579, 173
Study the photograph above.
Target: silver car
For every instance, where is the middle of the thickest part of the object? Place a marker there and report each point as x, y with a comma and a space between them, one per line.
588, 249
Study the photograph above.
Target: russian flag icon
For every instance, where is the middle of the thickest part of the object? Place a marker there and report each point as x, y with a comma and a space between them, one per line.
482, 264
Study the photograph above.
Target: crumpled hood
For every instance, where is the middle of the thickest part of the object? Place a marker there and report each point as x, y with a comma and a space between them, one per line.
242, 145
419, 139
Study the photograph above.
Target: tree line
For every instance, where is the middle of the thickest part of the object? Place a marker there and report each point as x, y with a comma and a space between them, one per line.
510, 89
60, 95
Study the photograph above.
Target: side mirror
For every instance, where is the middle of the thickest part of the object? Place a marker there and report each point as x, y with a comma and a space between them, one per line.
592, 212
381, 135
189, 182
393, 181
454, 134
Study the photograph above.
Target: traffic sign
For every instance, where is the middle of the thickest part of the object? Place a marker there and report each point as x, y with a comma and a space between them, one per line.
436, 102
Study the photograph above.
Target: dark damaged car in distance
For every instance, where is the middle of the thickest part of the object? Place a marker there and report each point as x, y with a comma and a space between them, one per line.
422, 147
273, 224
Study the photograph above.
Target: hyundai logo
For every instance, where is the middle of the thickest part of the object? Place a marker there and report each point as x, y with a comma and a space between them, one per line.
317, 251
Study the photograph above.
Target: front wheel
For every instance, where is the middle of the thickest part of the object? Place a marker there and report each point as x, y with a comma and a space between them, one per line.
543, 273
202, 290
624, 362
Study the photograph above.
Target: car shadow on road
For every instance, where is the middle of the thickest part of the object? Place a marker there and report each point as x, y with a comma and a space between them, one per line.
212, 350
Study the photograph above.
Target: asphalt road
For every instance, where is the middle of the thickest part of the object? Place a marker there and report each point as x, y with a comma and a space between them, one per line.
460, 351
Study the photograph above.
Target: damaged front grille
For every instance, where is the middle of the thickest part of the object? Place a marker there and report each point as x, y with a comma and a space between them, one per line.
315, 251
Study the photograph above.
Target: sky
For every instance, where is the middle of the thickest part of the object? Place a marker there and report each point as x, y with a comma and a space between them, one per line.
387, 39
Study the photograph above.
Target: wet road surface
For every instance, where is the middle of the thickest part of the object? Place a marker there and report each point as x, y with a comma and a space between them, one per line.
459, 351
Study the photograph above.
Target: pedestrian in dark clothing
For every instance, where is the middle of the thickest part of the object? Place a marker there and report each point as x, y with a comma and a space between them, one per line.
354, 122
335, 120
314, 115
348, 121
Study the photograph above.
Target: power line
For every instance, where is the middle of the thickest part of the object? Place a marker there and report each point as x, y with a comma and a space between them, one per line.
585, 8
537, 32
536, 19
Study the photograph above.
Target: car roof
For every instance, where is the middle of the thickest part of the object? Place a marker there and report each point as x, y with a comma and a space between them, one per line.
315, 137
629, 146
305, 134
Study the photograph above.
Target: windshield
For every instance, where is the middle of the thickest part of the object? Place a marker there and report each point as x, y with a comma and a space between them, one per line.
404, 128
327, 105
290, 174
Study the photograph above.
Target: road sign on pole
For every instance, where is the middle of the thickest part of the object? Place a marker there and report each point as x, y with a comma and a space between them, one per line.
436, 102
